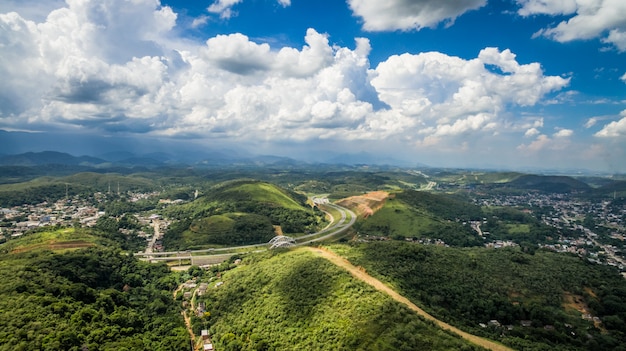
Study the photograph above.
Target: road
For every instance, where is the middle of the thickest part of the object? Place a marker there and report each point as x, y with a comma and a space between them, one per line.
360, 274
334, 228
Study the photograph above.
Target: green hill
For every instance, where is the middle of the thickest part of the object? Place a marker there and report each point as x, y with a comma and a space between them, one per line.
57, 240
416, 214
466, 287
240, 212
69, 297
297, 301
553, 184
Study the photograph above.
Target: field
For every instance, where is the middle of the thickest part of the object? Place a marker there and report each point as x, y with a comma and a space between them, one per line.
54, 240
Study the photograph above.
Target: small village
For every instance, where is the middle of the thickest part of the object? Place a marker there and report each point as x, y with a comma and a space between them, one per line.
571, 217
71, 212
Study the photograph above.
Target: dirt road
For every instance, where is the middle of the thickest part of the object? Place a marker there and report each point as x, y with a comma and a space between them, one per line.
360, 274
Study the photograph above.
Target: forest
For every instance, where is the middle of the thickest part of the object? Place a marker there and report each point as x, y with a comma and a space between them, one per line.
87, 299
291, 300
470, 286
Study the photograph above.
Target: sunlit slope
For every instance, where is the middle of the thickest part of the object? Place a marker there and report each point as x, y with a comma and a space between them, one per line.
297, 301
240, 212
57, 240
416, 214
555, 295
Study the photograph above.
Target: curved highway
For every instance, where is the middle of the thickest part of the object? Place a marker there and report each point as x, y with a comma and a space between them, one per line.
338, 227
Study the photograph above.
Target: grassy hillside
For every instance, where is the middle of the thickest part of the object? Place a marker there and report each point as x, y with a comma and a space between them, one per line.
414, 214
52, 188
297, 301
57, 240
240, 212
228, 229
553, 184
467, 287
84, 298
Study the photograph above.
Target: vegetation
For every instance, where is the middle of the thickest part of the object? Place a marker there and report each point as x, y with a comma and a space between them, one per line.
296, 301
416, 214
467, 287
240, 212
94, 298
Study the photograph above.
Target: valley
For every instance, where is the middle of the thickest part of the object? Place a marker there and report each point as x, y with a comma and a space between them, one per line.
336, 257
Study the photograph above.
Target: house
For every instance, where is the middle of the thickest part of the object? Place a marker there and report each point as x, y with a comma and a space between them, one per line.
205, 334
208, 347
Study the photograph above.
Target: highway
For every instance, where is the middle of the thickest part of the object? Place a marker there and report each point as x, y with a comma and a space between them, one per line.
339, 226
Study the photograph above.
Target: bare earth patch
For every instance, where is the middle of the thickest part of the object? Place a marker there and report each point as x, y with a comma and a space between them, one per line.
54, 246
365, 205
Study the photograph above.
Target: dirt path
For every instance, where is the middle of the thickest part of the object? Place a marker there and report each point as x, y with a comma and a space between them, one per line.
360, 274
187, 320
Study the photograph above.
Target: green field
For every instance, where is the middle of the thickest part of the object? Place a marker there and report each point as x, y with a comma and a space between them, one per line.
54, 240
396, 218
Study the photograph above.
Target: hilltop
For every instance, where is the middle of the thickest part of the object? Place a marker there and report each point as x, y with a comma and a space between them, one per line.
241, 212
71, 289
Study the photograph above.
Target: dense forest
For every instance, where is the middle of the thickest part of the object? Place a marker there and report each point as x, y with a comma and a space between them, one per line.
87, 299
292, 300
468, 287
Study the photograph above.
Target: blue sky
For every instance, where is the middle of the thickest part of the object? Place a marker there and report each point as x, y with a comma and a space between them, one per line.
476, 83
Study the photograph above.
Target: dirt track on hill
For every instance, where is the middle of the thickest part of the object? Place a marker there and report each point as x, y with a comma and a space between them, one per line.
361, 274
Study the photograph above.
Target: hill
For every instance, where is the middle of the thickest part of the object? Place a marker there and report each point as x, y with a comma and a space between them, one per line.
417, 214
54, 188
47, 158
540, 302
297, 301
553, 184
58, 295
240, 212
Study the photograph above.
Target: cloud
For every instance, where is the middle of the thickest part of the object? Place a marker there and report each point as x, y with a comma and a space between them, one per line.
564, 133
458, 95
623, 78
393, 15
591, 122
588, 19
224, 8
615, 129
538, 144
68, 72
531, 132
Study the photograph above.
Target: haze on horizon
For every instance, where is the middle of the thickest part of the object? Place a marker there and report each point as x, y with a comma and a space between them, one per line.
506, 83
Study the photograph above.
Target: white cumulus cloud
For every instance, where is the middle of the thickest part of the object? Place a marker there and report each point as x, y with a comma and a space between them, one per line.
615, 129
587, 19
563, 133
449, 95
393, 15
119, 68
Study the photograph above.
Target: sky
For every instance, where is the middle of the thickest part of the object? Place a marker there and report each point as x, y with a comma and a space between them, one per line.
462, 83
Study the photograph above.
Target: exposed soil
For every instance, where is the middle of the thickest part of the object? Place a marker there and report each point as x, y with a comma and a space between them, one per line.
361, 274
67, 245
365, 205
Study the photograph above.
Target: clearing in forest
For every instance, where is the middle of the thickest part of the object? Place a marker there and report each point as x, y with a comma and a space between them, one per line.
365, 205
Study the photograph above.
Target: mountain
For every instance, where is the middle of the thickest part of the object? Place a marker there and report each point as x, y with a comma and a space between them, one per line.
554, 184
48, 158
